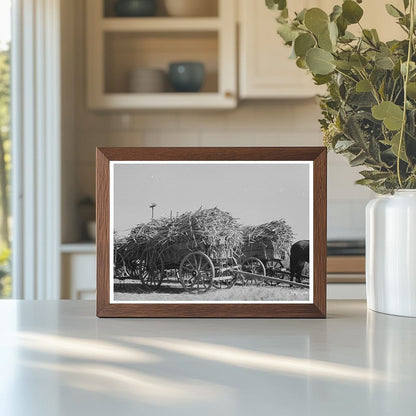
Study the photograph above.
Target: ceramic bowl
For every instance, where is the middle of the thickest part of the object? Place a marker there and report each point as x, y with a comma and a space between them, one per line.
186, 76
147, 80
135, 8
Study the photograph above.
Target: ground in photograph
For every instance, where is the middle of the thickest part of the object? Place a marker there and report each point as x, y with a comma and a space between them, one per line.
133, 292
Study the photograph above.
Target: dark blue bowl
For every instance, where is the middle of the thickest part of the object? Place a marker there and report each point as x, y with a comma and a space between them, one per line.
186, 76
135, 8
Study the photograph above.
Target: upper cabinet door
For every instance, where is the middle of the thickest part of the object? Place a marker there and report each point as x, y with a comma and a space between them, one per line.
266, 71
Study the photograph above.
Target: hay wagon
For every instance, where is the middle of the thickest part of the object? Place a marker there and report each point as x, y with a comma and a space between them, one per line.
198, 267
262, 262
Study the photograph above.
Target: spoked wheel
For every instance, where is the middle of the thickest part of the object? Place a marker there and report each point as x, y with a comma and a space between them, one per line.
273, 269
196, 272
225, 276
132, 270
255, 266
152, 271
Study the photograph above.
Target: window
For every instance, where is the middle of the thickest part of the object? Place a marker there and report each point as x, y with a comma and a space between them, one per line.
5, 147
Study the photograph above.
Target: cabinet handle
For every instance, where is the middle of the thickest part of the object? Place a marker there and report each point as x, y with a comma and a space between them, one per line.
229, 94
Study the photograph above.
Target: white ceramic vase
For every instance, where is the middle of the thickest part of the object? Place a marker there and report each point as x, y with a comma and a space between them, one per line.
391, 253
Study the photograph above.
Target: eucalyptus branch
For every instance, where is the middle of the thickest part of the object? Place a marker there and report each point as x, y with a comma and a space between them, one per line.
346, 75
373, 88
405, 81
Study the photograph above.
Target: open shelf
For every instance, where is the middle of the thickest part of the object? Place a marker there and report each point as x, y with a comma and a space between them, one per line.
119, 45
211, 9
126, 51
160, 24
81, 247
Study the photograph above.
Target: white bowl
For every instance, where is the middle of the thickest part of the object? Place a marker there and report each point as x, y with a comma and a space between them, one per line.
191, 8
147, 80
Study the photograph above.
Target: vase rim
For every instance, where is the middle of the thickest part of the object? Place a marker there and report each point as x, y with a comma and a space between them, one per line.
405, 191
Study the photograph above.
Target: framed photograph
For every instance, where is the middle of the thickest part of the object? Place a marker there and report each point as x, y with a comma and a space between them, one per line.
211, 232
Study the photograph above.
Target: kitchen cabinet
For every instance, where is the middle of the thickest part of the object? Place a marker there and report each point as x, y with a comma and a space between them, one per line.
118, 45
265, 69
78, 263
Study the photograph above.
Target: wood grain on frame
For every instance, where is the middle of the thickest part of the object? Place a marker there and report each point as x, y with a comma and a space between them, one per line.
317, 309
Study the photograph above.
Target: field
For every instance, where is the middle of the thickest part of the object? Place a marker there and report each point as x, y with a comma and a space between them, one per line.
174, 292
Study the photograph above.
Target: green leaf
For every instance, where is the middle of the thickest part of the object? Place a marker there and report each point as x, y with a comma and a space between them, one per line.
351, 11
412, 67
394, 145
393, 11
388, 112
365, 182
342, 25
368, 36
375, 35
301, 15
358, 61
384, 62
374, 174
358, 160
336, 12
319, 61
343, 145
316, 20
406, 4
411, 90
321, 79
276, 4
325, 42
303, 43
344, 65
333, 32
301, 63
287, 33
363, 86
347, 37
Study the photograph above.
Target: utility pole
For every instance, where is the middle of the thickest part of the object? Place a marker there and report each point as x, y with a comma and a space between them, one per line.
152, 207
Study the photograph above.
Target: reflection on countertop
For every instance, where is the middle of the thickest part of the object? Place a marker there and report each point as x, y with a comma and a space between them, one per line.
355, 362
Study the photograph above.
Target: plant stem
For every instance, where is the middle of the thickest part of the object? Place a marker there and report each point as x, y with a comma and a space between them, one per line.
406, 80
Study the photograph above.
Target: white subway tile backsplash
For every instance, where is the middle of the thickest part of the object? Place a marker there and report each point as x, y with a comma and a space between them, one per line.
260, 123
202, 120
346, 219
172, 138
146, 120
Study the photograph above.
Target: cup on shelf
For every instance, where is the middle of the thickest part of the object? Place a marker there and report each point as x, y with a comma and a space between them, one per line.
147, 81
135, 8
191, 8
186, 76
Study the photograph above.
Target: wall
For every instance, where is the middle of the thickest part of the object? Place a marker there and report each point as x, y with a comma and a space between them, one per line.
255, 123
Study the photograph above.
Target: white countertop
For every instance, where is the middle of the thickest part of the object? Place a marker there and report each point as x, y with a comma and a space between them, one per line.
58, 359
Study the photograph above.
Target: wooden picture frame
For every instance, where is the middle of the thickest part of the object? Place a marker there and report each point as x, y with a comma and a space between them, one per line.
109, 159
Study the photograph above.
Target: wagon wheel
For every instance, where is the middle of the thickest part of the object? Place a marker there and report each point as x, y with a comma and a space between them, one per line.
152, 271
133, 270
255, 266
273, 268
225, 278
196, 272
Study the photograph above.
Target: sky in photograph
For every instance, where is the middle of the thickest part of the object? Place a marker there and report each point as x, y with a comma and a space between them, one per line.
253, 193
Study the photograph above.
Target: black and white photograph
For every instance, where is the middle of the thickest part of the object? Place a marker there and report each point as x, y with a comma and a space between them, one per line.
191, 231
